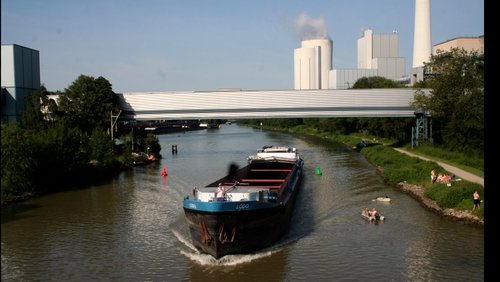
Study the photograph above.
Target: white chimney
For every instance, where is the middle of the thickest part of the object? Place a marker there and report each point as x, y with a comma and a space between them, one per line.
422, 46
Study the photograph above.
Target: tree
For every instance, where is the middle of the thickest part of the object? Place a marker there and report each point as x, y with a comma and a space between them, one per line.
33, 117
87, 103
152, 144
101, 147
59, 153
375, 82
456, 101
17, 163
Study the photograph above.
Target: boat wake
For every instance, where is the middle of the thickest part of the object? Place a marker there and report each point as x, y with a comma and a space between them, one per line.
183, 240
229, 260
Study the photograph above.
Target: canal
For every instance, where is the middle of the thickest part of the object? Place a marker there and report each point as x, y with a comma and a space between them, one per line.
132, 227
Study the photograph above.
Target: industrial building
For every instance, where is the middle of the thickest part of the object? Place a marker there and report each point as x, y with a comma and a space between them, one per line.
312, 64
20, 78
381, 52
378, 55
469, 44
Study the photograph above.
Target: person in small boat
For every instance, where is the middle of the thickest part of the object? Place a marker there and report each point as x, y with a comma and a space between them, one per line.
366, 212
374, 213
220, 192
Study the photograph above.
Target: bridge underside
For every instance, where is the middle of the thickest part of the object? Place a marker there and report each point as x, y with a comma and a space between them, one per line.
196, 105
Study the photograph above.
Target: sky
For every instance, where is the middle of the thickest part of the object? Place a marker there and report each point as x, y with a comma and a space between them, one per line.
184, 45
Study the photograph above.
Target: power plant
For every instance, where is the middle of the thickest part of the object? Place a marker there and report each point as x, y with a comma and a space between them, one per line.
378, 55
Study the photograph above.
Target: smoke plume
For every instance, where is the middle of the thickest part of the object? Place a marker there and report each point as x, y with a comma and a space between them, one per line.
307, 28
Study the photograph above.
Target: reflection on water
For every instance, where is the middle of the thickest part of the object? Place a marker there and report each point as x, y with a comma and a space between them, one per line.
132, 228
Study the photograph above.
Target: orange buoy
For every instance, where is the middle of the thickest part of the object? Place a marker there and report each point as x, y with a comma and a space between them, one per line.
164, 172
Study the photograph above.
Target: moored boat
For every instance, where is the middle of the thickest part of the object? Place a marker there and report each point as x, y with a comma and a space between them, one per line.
249, 209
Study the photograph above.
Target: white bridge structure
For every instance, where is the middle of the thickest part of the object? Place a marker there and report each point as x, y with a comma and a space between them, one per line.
250, 104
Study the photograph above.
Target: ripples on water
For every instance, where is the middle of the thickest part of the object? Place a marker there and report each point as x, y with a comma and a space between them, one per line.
132, 228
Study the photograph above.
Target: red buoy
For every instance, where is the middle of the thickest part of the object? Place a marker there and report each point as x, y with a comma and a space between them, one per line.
164, 172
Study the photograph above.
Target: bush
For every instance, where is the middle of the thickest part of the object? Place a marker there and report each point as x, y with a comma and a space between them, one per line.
17, 164
152, 144
101, 147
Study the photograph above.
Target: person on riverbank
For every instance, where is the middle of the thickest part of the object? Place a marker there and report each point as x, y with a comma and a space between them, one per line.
433, 176
477, 200
444, 178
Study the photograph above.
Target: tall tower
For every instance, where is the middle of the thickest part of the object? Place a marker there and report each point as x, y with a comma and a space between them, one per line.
422, 47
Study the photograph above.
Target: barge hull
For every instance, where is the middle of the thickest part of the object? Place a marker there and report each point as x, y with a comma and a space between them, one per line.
238, 233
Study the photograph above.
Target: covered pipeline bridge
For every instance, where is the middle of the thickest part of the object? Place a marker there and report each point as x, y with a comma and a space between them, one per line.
237, 104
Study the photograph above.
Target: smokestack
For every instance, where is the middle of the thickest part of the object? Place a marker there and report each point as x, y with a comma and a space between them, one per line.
422, 48
313, 61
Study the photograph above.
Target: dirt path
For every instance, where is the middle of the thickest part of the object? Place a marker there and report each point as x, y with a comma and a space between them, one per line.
454, 170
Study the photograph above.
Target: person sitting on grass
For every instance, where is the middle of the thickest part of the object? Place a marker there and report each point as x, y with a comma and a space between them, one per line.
443, 178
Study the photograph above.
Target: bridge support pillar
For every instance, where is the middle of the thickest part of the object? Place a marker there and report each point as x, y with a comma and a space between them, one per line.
422, 129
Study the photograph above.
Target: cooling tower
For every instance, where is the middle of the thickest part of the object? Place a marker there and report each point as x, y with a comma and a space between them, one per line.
422, 48
305, 70
312, 64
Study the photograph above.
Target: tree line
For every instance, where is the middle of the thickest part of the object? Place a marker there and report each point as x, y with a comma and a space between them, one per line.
65, 144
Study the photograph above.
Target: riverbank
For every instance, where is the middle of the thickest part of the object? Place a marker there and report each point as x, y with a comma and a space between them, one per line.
410, 175
418, 192
396, 167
